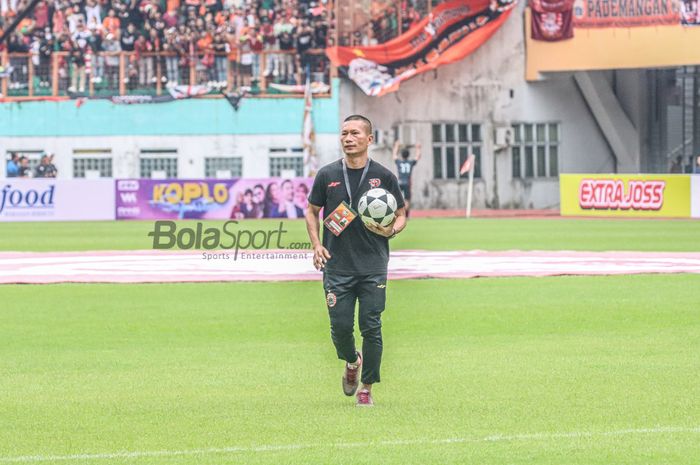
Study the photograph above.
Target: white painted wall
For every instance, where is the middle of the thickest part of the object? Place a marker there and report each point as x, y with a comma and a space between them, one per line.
191, 150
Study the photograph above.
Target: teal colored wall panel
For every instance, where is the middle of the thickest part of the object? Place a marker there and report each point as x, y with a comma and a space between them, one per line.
184, 117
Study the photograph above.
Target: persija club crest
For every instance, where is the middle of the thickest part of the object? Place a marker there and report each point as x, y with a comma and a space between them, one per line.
331, 299
552, 24
375, 182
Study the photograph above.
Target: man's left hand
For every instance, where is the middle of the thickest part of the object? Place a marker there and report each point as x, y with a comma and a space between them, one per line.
386, 231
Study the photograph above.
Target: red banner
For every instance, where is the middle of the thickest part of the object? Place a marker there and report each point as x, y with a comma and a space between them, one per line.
451, 32
625, 13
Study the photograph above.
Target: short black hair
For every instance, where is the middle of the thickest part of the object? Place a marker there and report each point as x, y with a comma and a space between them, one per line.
360, 118
248, 191
404, 154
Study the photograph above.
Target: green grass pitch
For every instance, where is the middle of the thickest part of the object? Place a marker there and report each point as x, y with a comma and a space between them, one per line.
563, 370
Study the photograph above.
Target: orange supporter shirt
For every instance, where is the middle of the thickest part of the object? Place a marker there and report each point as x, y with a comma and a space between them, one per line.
25, 26
173, 5
111, 24
204, 43
233, 45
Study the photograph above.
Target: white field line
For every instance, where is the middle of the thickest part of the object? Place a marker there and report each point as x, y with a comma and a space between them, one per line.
398, 442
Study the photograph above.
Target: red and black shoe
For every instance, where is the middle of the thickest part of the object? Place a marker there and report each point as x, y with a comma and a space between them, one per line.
351, 376
364, 398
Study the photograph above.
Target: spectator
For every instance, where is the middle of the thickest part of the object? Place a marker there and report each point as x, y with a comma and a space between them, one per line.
156, 48
41, 15
287, 45
232, 42
77, 59
677, 165
256, 47
93, 11
128, 38
111, 23
270, 45
143, 48
170, 46
204, 56
221, 49
58, 20
111, 47
75, 17
94, 48
24, 170
304, 42
246, 64
42, 167
696, 166
12, 169
51, 170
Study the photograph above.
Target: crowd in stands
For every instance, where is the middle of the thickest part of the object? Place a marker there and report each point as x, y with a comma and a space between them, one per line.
387, 20
214, 36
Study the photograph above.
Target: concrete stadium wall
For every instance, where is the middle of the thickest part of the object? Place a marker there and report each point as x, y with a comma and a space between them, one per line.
184, 117
195, 128
191, 150
489, 88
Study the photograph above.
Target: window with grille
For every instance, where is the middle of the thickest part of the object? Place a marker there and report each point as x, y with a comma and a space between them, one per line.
158, 163
214, 166
452, 145
535, 150
284, 162
92, 167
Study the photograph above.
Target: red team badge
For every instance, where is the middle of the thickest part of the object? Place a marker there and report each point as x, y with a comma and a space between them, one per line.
334, 183
375, 182
331, 299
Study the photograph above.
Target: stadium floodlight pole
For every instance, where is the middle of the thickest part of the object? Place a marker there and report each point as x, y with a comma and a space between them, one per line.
13, 25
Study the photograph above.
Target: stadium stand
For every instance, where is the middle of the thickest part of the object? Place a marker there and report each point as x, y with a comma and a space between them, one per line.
109, 47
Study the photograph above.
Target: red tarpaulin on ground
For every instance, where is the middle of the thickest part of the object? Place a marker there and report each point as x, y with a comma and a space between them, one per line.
451, 32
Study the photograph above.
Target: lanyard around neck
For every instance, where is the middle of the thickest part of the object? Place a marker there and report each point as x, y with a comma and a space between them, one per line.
347, 181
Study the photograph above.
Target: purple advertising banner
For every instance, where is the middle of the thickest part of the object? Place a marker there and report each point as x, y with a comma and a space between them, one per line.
56, 199
212, 199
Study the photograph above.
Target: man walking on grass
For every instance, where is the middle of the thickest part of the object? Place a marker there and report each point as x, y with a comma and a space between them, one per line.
354, 262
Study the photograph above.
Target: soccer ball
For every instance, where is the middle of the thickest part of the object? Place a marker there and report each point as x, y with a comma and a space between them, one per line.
377, 206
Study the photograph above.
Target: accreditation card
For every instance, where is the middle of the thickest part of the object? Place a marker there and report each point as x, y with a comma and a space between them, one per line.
340, 218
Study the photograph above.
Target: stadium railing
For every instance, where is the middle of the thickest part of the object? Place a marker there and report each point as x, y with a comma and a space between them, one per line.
128, 73
382, 21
